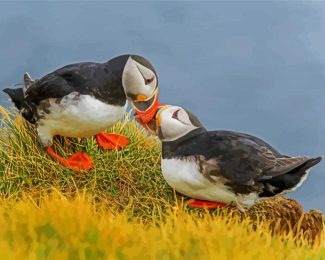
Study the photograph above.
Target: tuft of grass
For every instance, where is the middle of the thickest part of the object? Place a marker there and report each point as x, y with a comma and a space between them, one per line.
61, 228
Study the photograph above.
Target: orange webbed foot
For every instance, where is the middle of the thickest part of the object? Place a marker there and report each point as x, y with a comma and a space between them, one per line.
111, 141
78, 162
194, 203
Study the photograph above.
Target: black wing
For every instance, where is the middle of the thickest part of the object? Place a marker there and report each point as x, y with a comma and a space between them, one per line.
71, 78
244, 159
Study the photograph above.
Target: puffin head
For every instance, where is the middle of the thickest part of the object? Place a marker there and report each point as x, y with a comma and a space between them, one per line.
140, 84
173, 122
139, 79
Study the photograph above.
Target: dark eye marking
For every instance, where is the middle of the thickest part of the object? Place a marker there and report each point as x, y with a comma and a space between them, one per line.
175, 114
148, 81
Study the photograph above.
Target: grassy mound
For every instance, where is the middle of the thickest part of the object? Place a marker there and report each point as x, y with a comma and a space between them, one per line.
129, 209
119, 178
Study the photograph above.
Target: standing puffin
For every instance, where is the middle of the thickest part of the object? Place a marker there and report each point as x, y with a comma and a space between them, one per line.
84, 99
223, 167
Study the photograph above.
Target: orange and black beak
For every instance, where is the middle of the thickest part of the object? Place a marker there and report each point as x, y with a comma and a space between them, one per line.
145, 107
159, 110
153, 125
157, 129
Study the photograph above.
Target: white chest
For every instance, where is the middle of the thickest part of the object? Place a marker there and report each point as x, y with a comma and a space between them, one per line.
79, 117
184, 176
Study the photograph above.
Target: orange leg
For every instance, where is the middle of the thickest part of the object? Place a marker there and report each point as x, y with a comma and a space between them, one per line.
111, 141
194, 203
78, 162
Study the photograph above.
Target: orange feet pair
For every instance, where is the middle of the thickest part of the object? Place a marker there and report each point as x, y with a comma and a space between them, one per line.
80, 161
194, 203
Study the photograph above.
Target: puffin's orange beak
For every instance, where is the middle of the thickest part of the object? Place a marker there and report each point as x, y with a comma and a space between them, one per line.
153, 125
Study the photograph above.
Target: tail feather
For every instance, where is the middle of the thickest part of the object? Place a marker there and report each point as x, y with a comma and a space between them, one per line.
312, 162
16, 95
290, 181
27, 109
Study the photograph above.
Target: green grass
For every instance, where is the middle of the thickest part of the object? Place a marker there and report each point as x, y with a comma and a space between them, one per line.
123, 207
120, 178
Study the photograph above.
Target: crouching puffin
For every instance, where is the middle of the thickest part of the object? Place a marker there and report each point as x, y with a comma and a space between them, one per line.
216, 168
84, 99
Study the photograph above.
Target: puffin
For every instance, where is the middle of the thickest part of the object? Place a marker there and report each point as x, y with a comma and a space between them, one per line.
223, 168
84, 99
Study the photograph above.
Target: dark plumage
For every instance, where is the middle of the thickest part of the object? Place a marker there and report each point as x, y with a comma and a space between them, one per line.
100, 80
85, 99
235, 167
246, 162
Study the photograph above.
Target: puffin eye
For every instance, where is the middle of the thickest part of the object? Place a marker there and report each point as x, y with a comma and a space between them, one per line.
148, 81
175, 114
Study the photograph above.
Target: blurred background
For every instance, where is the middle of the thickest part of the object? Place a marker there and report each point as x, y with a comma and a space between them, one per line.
255, 67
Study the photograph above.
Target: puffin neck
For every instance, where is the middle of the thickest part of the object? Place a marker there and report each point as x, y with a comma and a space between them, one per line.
111, 90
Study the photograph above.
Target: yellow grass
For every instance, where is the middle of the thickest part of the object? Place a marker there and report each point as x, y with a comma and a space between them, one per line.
63, 228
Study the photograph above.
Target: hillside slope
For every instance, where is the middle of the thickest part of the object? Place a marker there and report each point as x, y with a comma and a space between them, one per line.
123, 207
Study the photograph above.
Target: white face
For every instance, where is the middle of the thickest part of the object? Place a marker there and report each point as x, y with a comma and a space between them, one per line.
175, 122
138, 81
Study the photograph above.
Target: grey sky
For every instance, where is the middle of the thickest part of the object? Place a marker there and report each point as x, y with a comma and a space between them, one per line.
255, 67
